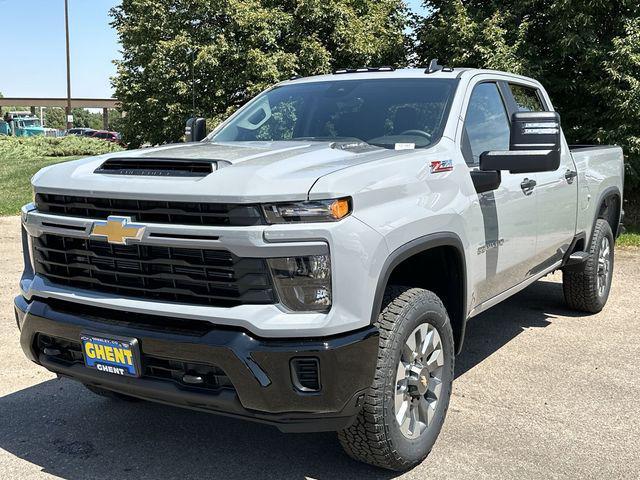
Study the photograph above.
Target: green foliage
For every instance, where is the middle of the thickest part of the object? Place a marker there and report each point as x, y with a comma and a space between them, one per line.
629, 239
239, 47
585, 52
54, 117
34, 147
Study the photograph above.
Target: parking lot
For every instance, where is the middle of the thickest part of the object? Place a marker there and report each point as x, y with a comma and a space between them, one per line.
541, 393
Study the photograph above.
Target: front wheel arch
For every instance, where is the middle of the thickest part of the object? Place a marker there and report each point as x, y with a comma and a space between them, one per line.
451, 288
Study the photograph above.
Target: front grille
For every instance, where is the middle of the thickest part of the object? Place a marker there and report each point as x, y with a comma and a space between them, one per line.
69, 353
174, 274
152, 211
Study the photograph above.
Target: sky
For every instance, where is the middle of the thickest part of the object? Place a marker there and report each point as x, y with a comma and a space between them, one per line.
32, 60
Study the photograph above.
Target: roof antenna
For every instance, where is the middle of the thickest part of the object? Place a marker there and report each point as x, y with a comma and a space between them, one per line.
433, 67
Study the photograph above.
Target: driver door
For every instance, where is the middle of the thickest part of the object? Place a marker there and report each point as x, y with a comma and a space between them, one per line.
509, 212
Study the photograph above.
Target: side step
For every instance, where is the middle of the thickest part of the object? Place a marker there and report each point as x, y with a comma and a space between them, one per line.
576, 260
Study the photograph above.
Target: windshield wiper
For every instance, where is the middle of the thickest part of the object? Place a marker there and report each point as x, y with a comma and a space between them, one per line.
332, 139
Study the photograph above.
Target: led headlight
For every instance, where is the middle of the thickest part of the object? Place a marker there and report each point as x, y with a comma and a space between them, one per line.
303, 283
308, 211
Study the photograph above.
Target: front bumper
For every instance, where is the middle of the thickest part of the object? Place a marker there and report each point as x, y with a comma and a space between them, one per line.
259, 370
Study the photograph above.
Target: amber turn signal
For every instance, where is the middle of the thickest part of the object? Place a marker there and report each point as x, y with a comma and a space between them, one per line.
340, 208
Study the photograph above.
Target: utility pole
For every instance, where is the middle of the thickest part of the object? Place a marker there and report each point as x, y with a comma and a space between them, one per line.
66, 26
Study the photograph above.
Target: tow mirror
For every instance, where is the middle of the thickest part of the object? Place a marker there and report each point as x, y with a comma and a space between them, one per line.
534, 145
196, 129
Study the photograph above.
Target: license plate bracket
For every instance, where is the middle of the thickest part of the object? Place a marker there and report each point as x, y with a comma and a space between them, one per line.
111, 354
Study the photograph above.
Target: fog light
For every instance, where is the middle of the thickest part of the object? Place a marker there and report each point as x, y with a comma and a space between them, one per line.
303, 283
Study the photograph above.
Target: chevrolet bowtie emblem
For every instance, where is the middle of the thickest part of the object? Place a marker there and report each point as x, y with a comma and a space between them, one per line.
118, 230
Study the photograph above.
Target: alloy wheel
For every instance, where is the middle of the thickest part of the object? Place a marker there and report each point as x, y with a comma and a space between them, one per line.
604, 265
419, 380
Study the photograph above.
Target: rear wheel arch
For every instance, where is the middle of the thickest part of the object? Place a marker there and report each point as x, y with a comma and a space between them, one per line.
609, 208
446, 275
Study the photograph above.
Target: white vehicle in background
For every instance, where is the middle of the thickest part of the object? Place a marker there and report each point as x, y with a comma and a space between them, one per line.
312, 263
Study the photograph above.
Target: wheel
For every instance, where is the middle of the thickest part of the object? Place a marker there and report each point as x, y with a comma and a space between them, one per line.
111, 395
588, 289
406, 405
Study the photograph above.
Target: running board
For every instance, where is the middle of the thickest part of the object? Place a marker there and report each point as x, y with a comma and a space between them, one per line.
512, 291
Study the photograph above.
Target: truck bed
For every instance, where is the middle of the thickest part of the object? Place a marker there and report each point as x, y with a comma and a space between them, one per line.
600, 171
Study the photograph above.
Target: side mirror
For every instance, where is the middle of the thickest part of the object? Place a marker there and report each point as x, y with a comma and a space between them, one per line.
534, 145
196, 129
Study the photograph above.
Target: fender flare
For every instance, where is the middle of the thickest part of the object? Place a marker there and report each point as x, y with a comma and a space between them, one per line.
419, 245
607, 192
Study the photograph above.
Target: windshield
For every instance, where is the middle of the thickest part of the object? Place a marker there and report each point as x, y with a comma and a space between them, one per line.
391, 113
31, 123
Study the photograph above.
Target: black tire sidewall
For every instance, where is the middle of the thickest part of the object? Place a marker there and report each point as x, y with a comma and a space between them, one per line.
415, 450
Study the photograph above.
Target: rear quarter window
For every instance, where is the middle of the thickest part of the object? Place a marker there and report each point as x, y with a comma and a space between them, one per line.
527, 98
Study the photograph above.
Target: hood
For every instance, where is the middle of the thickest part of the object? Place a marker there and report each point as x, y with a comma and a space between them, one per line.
247, 171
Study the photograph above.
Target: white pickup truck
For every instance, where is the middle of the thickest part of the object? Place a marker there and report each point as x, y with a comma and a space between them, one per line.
313, 262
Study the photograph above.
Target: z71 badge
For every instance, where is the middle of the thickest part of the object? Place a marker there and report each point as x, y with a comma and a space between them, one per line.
439, 166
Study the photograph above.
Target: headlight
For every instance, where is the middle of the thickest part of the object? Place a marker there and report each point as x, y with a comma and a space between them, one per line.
303, 283
309, 211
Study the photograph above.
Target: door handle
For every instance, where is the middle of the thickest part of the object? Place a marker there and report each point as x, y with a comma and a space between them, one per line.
569, 175
527, 185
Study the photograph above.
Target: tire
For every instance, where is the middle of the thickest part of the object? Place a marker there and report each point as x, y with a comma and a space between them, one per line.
111, 395
587, 289
377, 437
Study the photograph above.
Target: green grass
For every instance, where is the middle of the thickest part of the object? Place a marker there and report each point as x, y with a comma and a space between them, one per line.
21, 158
15, 180
630, 239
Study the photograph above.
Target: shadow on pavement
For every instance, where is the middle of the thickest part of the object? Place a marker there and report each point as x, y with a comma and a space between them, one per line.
73, 434
489, 331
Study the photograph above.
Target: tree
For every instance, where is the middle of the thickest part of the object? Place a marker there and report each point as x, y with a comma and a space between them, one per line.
585, 52
237, 48
54, 117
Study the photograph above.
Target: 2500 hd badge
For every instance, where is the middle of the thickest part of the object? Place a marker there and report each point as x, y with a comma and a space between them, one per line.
297, 267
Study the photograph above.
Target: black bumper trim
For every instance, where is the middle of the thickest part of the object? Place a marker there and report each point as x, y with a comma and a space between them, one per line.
258, 368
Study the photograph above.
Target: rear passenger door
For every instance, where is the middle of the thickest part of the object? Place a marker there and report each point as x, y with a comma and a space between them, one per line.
509, 213
556, 192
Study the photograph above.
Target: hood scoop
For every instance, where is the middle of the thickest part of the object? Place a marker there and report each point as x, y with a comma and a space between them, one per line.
160, 167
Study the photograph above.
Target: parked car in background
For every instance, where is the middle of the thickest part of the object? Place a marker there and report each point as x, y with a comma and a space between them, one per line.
84, 132
105, 135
